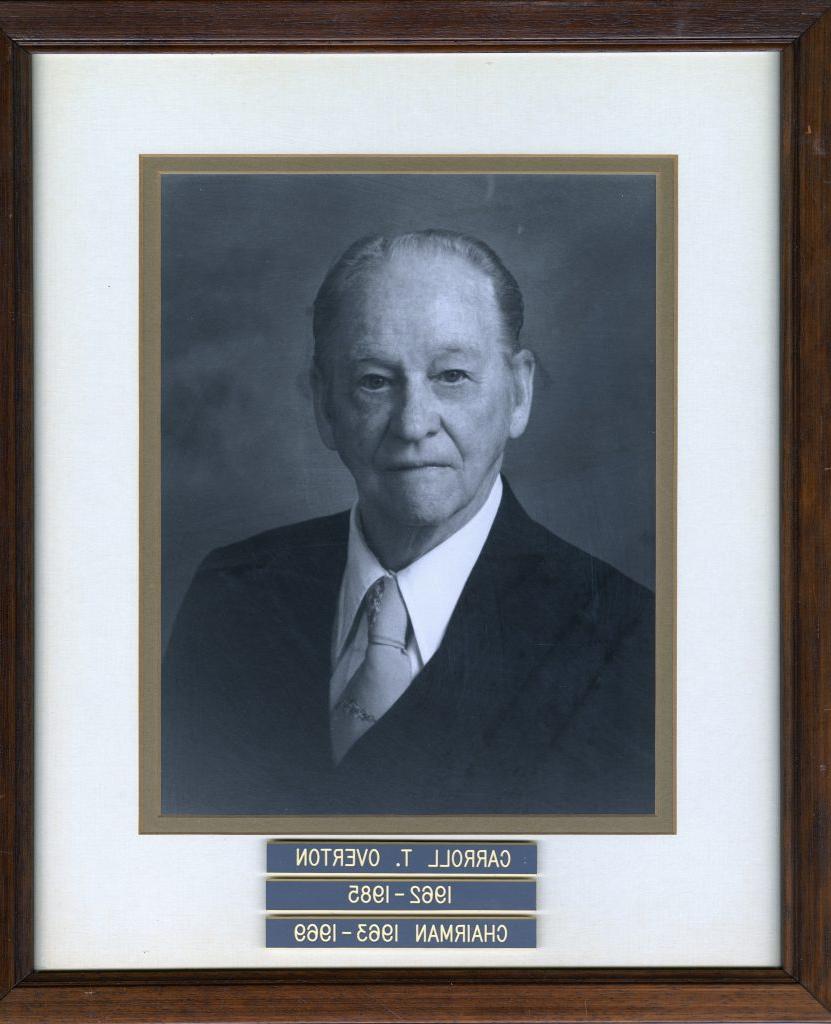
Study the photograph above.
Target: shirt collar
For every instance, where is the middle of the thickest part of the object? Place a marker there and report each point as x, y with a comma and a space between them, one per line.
428, 605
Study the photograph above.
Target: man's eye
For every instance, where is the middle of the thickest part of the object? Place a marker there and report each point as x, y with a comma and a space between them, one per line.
452, 376
372, 382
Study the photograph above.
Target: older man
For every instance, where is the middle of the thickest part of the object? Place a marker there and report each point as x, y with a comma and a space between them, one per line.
433, 650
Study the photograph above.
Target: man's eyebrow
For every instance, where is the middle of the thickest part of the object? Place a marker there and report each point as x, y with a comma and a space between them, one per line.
369, 355
467, 351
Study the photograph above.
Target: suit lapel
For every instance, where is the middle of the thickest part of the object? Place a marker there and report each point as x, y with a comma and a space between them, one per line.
494, 641
301, 594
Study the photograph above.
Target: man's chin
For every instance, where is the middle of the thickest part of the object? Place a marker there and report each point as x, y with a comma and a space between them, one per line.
420, 514
417, 504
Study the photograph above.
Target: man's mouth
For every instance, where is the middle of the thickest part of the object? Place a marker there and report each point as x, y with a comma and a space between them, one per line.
409, 467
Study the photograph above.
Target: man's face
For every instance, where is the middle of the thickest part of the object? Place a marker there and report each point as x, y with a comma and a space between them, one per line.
421, 391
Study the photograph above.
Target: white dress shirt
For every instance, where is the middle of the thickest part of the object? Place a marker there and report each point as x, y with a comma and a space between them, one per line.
430, 586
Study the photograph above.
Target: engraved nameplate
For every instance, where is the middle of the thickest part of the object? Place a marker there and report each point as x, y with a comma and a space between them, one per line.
418, 895
401, 932
410, 857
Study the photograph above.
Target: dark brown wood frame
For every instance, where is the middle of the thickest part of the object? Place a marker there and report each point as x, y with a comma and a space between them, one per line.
799, 990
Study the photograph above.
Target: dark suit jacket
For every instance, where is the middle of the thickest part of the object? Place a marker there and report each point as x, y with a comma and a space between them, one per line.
540, 698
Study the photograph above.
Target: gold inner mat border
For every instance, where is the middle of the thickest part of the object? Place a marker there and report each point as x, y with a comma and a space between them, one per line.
152, 167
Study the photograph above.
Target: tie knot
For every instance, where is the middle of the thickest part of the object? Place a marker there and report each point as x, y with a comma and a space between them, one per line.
386, 613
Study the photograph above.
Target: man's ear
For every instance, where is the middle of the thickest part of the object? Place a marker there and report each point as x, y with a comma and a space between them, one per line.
522, 369
320, 391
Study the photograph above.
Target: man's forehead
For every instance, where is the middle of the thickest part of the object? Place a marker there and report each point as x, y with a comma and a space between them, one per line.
432, 301
423, 291
426, 271
367, 348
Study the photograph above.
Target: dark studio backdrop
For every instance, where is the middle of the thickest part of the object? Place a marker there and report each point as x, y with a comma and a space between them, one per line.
242, 258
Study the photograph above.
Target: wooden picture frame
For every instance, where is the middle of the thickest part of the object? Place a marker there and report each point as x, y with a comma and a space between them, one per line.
798, 990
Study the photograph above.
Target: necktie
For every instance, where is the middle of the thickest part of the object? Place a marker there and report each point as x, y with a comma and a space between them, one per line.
382, 676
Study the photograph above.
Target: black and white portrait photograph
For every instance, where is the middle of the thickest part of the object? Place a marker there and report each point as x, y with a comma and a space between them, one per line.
412, 463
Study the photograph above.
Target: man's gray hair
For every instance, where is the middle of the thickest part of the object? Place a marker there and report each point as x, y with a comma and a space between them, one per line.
352, 268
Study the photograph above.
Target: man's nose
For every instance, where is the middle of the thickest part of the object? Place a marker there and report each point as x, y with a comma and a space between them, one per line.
416, 415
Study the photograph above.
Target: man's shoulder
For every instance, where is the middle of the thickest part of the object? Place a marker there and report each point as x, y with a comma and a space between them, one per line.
588, 568
292, 541
554, 580
556, 557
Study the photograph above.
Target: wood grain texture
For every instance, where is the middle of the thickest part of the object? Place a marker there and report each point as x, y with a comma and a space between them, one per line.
789, 564
417, 1003
812, 587
448, 976
416, 24
536, 995
16, 519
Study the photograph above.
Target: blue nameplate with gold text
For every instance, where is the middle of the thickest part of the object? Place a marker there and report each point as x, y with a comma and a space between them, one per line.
401, 932
411, 857
418, 895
